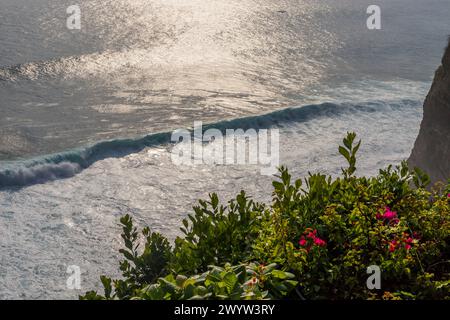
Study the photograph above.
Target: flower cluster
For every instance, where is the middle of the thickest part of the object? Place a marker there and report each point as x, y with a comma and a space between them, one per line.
310, 239
406, 241
388, 215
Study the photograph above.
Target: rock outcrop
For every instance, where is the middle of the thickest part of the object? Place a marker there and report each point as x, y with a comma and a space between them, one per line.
432, 148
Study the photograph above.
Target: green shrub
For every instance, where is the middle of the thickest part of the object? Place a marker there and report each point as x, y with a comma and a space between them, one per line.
137, 269
331, 231
218, 234
249, 281
315, 241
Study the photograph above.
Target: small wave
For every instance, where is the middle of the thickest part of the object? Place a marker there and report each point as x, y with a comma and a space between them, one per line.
40, 173
100, 63
68, 164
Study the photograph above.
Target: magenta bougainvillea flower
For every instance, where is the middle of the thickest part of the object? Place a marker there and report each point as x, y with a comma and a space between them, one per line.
312, 234
302, 242
406, 239
408, 243
311, 239
319, 242
388, 215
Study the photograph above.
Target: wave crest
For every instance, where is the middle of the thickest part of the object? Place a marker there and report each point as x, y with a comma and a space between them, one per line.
68, 164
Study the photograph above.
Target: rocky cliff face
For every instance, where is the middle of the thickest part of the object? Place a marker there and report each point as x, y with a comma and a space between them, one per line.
432, 148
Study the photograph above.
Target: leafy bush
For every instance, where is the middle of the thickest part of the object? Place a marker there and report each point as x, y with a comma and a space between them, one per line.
381, 221
315, 241
218, 234
239, 282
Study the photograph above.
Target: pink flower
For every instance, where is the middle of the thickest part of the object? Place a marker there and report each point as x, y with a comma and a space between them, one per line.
304, 242
388, 214
312, 234
448, 195
319, 242
408, 242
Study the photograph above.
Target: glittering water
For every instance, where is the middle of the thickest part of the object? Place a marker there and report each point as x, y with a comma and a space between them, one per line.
140, 67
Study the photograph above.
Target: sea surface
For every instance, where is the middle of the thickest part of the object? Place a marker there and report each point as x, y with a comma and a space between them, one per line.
85, 115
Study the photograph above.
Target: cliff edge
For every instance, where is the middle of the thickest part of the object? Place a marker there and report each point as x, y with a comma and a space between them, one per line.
432, 147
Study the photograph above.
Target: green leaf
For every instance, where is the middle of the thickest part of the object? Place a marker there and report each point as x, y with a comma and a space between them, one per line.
344, 152
127, 254
106, 285
230, 280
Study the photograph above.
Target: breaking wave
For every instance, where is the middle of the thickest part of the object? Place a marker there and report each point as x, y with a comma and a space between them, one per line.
67, 164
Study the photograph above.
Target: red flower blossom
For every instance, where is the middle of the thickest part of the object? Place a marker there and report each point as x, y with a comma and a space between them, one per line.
388, 214
319, 242
392, 246
312, 235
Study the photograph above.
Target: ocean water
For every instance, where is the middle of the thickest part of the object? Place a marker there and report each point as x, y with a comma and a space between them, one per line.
86, 114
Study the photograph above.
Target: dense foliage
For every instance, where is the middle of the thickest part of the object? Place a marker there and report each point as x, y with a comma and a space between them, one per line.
315, 241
